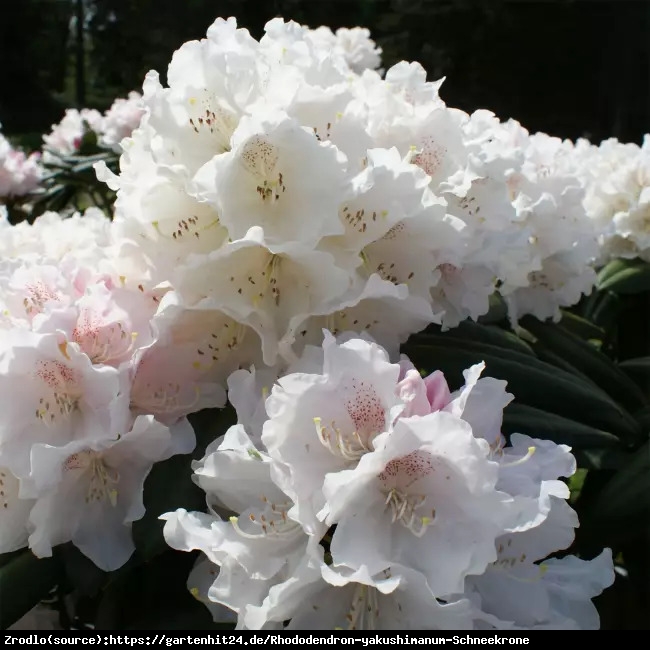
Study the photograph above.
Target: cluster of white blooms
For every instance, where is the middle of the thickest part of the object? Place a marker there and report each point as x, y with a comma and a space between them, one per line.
617, 180
120, 120
88, 403
116, 123
355, 45
355, 494
561, 239
19, 174
276, 190
285, 186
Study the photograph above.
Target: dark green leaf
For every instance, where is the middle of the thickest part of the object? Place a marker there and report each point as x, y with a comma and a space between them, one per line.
24, 582
643, 418
626, 497
610, 270
641, 364
625, 277
601, 458
589, 361
581, 327
519, 418
533, 382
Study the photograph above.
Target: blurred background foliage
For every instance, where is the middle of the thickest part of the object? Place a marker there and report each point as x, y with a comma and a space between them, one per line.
569, 67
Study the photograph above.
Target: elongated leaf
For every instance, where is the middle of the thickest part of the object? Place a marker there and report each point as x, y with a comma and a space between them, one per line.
533, 383
627, 495
492, 335
610, 270
601, 458
519, 418
589, 361
643, 418
629, 277
640, 364
485, 338
24, 582
606, 309
581, 327
546, 355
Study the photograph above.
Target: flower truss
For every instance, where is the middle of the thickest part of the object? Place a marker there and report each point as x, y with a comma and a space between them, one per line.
371, 498
288, 215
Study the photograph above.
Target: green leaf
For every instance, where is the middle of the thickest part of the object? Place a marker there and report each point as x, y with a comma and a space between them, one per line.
640, 364
581, 327
601, 458
626, 497
169, 485
625, 277
643, 418
533, 382
24, 582
589, 361
476, 336
610, 270
519, 418
544, 354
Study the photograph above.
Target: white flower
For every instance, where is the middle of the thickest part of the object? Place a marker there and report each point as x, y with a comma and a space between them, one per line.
89, 491
518, 590
54, 395
19, 174
338, 411
358, 49
425, 499
277, 176
266, 289
255, 549
121, 119
376, 307
397, 599
14, 513
66, 137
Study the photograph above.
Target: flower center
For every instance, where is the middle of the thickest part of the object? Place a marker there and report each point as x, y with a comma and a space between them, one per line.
61, 391
399, 483
349, 446
228, 339
270, 520
103, 479
101, 341
186, 228
260, 158
38, 294
364, 609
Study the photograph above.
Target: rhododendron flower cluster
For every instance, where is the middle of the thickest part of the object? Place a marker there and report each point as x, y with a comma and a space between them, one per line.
339, 198
111, 128
617, 178
286, 217
371, 498
19, 174
81, 393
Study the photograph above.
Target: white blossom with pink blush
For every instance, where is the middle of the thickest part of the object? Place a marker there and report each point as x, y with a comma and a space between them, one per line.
20, 174
340, 408
66, 136
387, 499
55, 395
90, 491
121, 119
